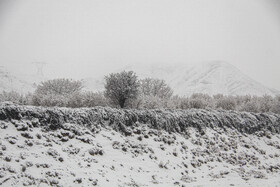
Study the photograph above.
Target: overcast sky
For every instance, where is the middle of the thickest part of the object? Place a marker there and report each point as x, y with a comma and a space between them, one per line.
86, 37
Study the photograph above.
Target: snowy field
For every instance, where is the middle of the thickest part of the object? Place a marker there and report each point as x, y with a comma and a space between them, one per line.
110, 147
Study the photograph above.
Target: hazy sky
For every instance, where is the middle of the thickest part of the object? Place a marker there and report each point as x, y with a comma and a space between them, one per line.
86, 37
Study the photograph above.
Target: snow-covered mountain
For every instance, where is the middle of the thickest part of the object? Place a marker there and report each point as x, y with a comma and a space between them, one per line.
217, 77
211, 78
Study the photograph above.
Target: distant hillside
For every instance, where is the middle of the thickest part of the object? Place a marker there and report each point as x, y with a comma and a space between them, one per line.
217, 77
11, 82
211, 78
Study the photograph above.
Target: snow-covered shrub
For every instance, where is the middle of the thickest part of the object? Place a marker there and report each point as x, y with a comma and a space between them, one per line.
218, 96
57, 92
50, 100
152, 102
276, 105
265, 103
124, 120
75, 100
92, 99
199, 100
184, 103
197, 103
147, 102
241, 99
240, 103
226, 103
250, 106
176, 102
16, 97
87, 99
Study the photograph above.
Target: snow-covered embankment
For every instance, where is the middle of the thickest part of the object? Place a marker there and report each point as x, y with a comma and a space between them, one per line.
113, 147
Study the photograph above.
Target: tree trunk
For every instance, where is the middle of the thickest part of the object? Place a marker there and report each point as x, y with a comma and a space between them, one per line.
121, 103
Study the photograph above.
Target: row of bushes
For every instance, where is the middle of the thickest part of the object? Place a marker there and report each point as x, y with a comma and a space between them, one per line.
75, 100
122, 120
240, 103
90, 99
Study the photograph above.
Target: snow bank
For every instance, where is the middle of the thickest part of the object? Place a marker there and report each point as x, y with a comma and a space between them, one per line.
79, 147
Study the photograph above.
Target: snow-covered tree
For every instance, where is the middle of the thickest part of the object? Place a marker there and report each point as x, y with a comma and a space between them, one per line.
121, 87
56, 92
59, 87
155, 87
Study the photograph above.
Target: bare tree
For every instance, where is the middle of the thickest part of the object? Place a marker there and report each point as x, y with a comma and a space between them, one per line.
121, 87
56, 92
155, 87
59, 87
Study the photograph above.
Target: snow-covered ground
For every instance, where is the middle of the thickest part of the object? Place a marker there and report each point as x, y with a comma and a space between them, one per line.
94, 147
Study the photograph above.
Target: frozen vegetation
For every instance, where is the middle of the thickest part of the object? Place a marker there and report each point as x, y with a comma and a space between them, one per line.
103, 146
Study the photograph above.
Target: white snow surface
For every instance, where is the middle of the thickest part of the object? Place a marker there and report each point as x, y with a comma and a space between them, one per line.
31, 154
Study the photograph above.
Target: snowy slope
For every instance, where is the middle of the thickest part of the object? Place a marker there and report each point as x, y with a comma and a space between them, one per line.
217, 77
211, 78
109, 147
11, 82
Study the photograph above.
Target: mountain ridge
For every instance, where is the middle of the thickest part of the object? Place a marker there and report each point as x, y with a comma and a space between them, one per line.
212, 78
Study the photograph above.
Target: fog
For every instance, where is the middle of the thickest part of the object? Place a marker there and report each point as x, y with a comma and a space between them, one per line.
86, 38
